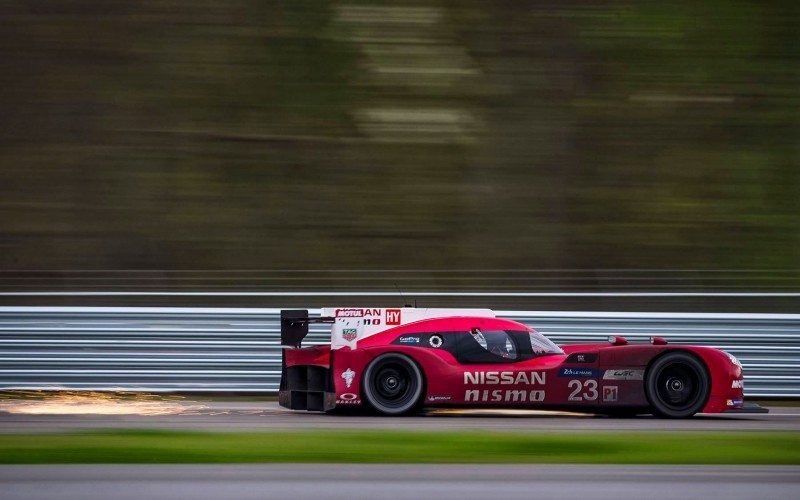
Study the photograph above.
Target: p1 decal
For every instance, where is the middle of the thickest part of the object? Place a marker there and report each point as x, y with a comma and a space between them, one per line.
580, 372
610, 393
624, 375
348, 376
393, 316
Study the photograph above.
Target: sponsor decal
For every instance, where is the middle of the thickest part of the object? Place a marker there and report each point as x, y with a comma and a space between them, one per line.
734, 360
610, 393
439, 398
735, 402
349, 334
436, 341
348, 398
582, 358
507, 396
349, 313
393, 316
624, 375
504, 378
357, 313
408, 340
348, 376
580, 372
737, 384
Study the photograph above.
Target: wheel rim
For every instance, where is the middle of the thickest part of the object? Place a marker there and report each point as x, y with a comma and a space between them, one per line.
677, 386
393, 385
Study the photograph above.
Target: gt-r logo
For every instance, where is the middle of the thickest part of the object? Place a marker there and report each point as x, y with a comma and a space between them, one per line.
393, 316
610, 393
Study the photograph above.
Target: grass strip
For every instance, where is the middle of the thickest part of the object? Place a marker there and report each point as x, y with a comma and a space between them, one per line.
769, 448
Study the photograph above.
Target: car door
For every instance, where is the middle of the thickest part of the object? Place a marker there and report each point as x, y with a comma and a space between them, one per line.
495, 368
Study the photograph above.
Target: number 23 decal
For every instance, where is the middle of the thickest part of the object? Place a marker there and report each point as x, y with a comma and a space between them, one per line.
583, 390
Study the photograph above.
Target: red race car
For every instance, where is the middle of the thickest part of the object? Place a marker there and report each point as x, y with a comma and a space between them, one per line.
397, 361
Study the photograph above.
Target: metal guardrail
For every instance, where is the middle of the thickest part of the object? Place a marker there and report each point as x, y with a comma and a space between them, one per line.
237, 349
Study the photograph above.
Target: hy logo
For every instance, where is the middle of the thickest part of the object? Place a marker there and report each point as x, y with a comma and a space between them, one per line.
348, 376
393, 316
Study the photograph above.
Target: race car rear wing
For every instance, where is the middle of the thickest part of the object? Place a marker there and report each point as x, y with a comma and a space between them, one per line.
294, 326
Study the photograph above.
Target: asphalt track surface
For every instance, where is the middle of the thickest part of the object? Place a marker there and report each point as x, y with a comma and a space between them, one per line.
351, 482
30, 416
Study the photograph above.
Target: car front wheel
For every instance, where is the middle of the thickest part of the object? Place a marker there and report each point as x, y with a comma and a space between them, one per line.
677, 385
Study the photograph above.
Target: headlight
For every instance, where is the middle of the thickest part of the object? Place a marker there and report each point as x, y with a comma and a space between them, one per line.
733, 359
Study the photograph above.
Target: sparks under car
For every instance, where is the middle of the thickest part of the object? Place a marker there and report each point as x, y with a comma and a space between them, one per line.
397, 361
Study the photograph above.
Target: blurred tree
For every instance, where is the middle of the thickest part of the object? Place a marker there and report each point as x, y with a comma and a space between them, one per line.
432, 135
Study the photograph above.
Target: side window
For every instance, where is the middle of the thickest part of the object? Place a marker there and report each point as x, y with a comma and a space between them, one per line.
487, 346
540, 345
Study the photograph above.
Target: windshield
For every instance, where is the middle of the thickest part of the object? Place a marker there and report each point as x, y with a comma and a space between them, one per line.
541, 345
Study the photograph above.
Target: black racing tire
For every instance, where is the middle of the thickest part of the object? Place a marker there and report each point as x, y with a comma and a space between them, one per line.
677, 385
393, 385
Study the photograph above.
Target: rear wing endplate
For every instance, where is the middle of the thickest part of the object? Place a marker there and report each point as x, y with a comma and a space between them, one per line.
294, 326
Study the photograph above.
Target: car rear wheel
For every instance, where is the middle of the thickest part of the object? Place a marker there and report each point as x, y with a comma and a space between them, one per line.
677, 385
393, 384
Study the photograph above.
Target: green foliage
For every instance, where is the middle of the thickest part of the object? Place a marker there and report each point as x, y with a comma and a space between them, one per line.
215, 135
766, 448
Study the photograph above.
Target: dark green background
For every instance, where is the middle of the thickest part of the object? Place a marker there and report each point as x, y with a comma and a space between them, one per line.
206, 134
